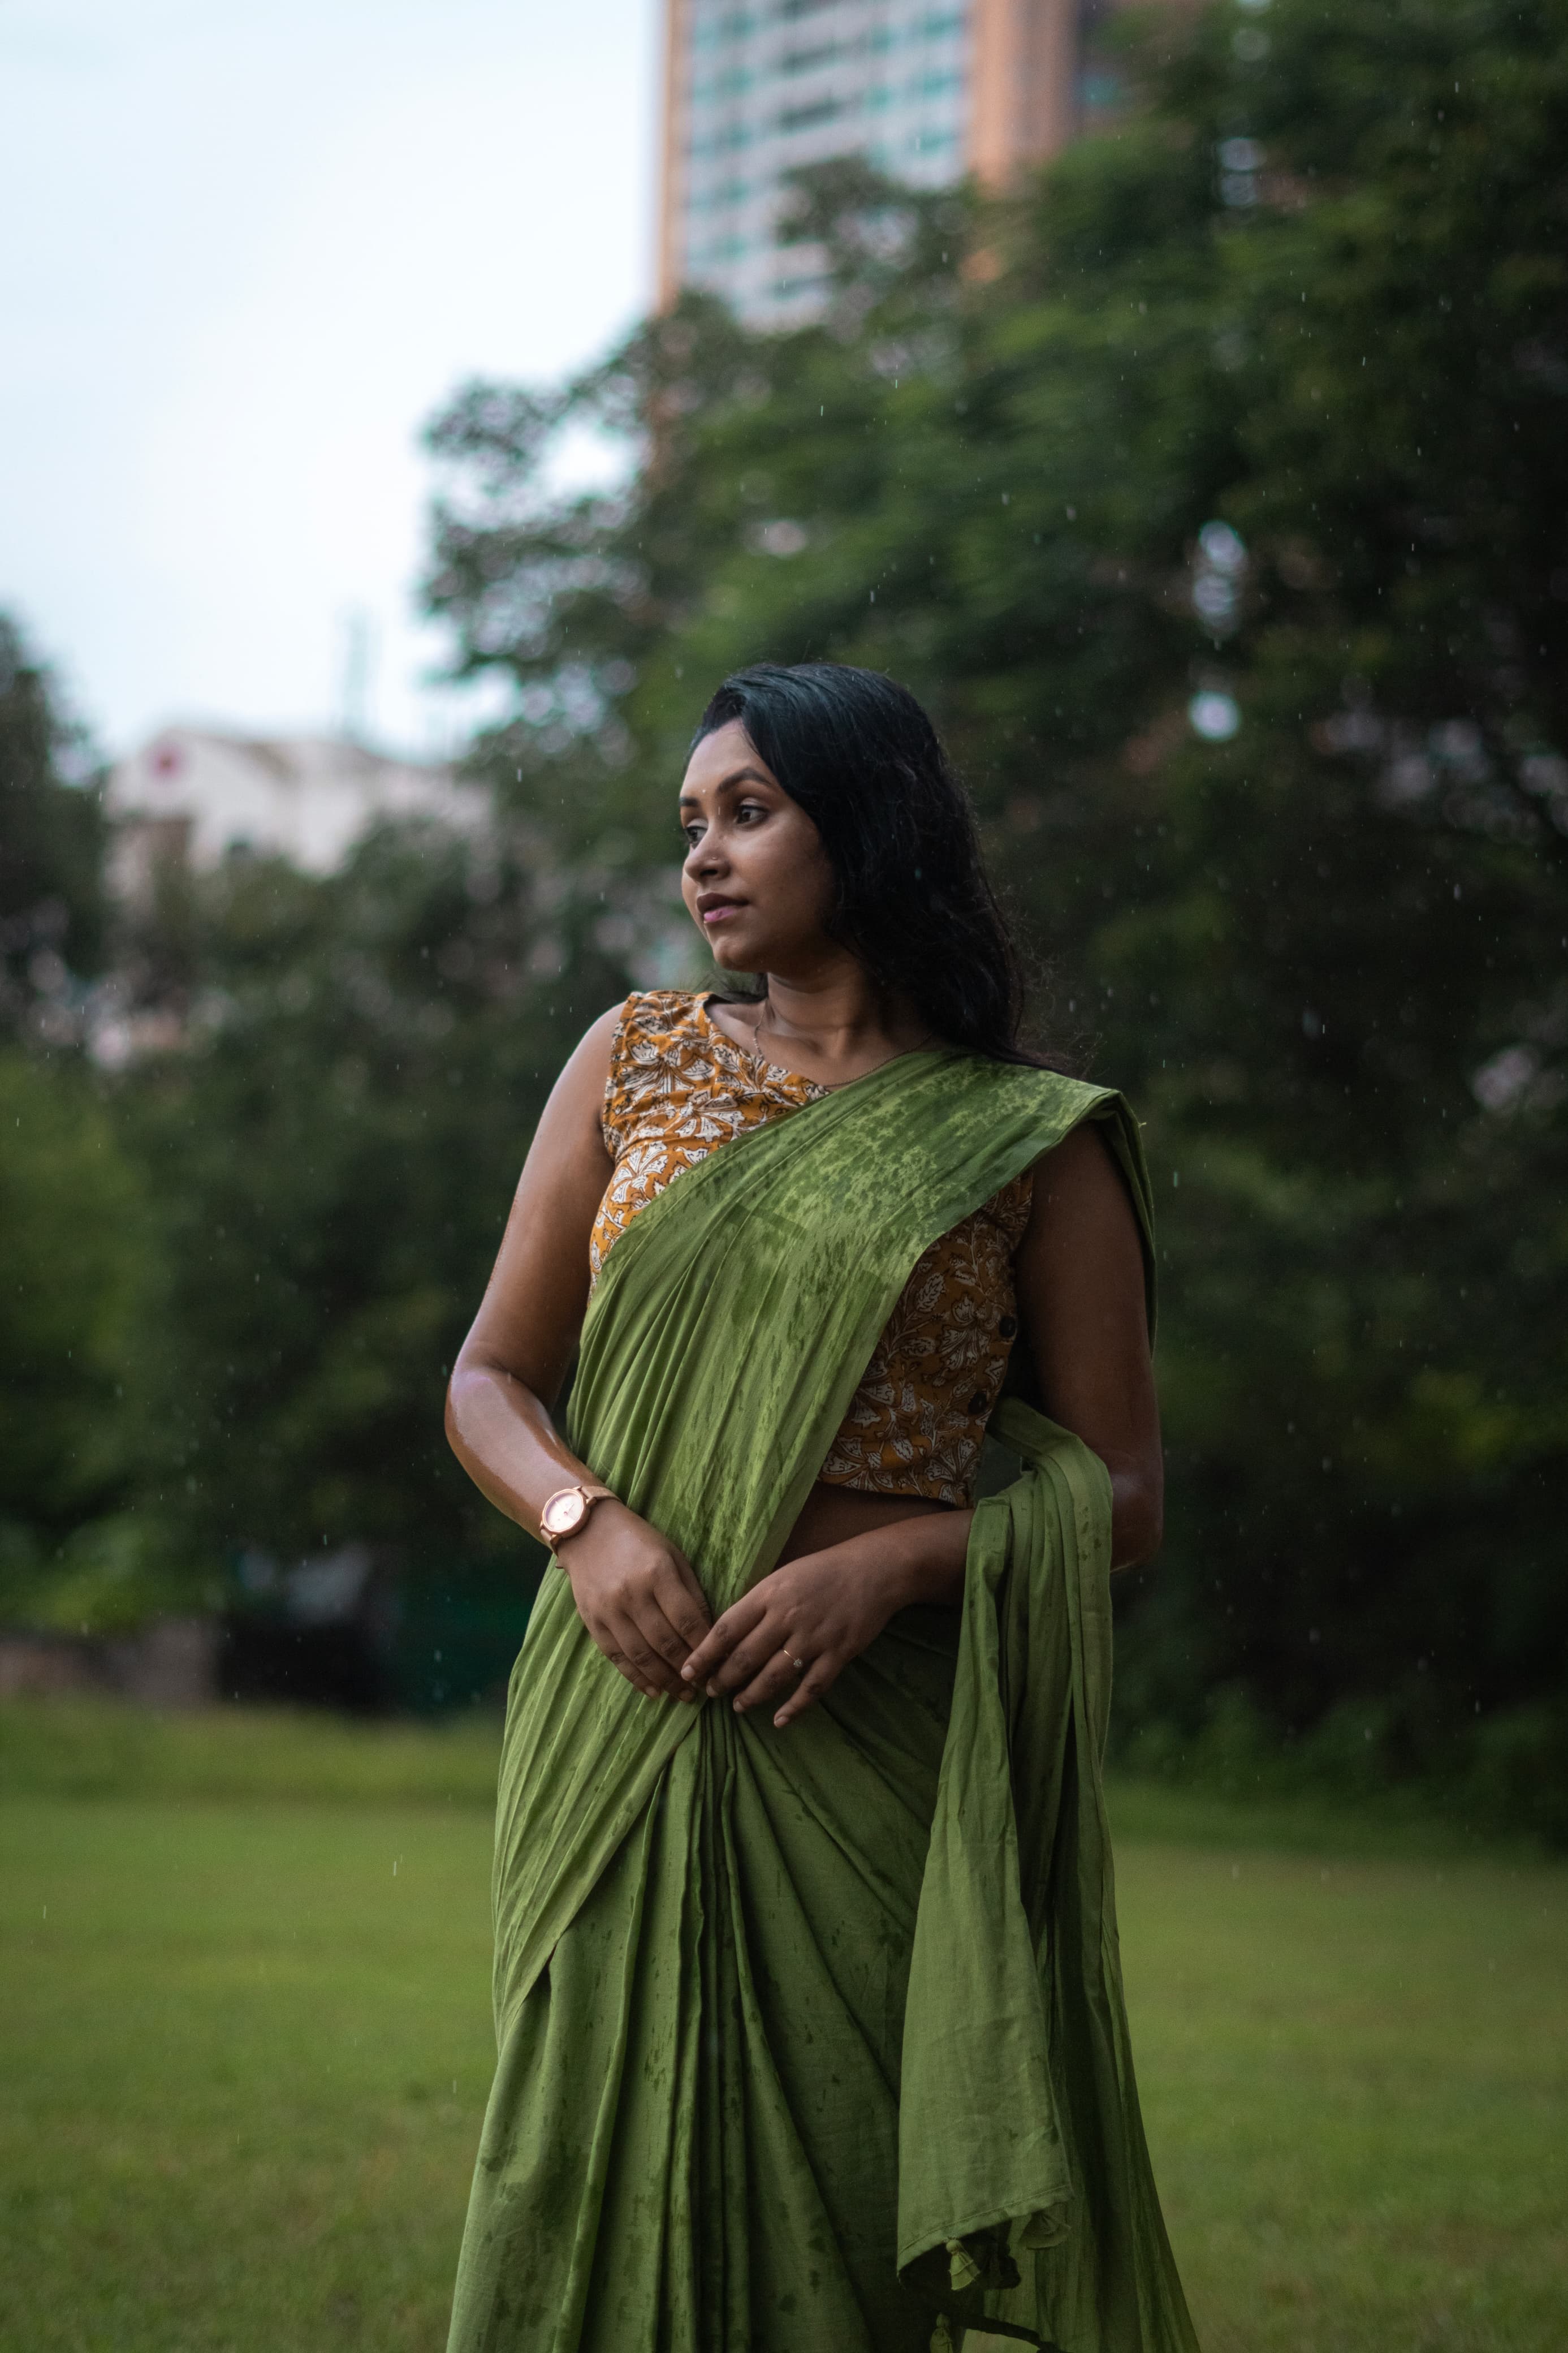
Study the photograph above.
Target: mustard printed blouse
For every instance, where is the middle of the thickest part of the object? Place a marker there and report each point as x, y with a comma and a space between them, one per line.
678, 1088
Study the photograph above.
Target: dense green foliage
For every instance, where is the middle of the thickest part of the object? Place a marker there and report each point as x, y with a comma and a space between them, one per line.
73, 1238
51, 846
242, 1266
76, 1256
332, 1165
1254, 407
1314, 294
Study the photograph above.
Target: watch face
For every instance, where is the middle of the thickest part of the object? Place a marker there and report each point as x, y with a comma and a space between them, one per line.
563, 1511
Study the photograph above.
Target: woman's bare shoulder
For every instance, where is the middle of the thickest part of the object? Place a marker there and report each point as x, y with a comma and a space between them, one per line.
593, 1053
1080, 1167
1080, 1200
577, 1099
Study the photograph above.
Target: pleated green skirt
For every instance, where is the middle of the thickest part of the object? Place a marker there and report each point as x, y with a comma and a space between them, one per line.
692, 2143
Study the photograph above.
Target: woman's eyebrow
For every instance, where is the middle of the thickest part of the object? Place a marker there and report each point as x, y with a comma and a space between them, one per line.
727, 784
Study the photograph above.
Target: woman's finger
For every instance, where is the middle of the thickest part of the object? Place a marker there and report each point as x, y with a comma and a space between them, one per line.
777, 1678
748, 1659
680, 1597
692, 1585
628, 1672
651, 1622
740, 1619
633, 1644
625, 1667
819, 1677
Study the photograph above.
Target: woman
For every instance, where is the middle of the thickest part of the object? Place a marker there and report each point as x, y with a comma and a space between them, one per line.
806, 1987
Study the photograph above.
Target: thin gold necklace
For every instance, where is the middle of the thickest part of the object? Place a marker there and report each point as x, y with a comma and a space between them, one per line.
829, 1085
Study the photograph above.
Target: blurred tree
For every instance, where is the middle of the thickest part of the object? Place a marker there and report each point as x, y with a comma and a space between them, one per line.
51, 844
332, 1155
1211, 496
74, 1550
76, 1256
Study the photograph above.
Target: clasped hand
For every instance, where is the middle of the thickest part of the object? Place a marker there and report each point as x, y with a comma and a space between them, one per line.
639, 1599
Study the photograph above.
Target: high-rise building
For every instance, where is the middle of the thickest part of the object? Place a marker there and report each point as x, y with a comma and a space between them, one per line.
926, 89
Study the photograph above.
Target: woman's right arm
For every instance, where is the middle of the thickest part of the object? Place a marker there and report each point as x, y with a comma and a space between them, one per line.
634, 1591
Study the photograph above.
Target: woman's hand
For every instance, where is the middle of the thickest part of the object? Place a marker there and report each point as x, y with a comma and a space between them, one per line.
822, 1610
639, 1597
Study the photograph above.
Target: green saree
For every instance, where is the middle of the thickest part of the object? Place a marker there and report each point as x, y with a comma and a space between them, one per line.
816, 2039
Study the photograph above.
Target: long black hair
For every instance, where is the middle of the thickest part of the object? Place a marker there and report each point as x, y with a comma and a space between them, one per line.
912, 901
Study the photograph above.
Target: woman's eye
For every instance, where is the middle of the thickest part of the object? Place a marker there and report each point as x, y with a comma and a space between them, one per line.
750, 809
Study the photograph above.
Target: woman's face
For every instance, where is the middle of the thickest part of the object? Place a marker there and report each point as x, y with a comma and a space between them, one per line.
756, 879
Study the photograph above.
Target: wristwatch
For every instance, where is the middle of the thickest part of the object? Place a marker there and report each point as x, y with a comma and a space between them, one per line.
565, 1512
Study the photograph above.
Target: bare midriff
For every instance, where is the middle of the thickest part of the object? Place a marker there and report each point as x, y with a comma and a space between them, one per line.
832, 1514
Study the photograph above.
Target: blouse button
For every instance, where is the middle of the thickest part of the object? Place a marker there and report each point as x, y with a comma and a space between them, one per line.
977, 1405
1008, 1325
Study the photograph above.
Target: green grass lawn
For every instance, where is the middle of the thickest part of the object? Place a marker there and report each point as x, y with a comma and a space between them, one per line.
1355, 2080
245, 2043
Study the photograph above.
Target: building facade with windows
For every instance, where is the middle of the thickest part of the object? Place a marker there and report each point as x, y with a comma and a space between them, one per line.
928, 90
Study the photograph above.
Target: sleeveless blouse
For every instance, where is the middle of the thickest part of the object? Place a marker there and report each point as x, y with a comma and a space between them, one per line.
678, 1088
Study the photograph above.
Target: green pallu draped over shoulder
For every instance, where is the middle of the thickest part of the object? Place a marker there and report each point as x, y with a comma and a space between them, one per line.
816, 2039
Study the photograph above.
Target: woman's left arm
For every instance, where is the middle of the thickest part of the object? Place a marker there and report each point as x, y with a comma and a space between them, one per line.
1082, 1305
1079, 1273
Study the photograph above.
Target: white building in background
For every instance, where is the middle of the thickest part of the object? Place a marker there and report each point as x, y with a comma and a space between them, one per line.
197, 796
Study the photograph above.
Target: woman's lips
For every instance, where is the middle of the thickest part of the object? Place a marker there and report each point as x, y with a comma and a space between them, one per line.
721, 913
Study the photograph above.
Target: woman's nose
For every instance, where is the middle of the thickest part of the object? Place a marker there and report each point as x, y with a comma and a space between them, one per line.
704, 857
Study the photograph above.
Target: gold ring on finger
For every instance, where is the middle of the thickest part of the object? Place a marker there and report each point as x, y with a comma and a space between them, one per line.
799, 1666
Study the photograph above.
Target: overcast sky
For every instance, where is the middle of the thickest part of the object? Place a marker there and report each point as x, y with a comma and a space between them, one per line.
244, 252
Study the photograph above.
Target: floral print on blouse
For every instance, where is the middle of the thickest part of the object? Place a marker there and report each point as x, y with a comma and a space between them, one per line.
678, 1087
